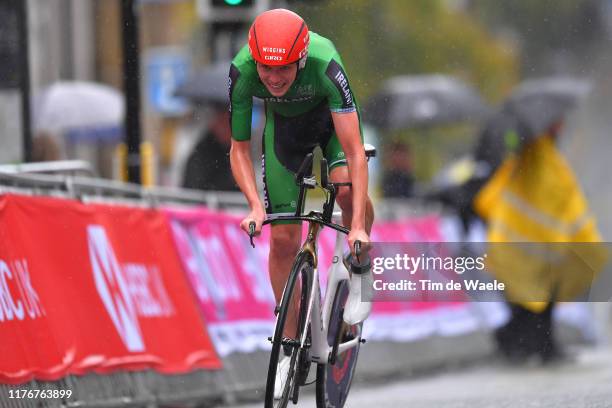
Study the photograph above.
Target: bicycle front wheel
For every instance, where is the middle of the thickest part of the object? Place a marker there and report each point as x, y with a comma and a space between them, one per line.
334, 380
296, 294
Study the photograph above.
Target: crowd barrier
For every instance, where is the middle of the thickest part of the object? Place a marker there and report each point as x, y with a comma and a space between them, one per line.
122, 302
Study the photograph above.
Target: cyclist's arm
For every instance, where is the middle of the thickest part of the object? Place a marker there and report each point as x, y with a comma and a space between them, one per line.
347, 129
346, 123
241, 104
242, 169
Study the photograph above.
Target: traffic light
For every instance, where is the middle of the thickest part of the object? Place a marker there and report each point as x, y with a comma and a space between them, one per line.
232, 3
231, 11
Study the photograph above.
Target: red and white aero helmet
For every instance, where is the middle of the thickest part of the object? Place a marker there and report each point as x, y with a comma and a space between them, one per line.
279, 37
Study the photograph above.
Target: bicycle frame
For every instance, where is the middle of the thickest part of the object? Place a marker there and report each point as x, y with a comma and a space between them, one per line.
320, 350
319, 312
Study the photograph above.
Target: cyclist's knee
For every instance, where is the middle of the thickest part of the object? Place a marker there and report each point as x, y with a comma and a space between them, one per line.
285, 239
344, 198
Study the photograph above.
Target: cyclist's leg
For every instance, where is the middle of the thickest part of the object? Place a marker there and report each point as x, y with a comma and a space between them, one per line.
284, 245
339, 174
283, 151
344, 198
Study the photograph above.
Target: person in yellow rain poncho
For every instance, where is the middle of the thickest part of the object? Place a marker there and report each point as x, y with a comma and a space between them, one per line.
542, 243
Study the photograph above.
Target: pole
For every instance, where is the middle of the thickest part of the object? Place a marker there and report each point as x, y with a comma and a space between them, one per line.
131, 86
24, 77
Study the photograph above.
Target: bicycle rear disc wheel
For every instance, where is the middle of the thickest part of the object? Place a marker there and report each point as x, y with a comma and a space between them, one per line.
299, 284
334, 380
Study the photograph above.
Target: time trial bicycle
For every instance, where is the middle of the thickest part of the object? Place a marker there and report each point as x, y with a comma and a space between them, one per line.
322, 337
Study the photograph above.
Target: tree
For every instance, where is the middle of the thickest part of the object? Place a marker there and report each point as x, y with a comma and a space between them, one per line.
379, 39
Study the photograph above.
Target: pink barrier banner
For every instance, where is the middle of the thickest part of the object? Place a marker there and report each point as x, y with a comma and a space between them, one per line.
229, 277
231, 282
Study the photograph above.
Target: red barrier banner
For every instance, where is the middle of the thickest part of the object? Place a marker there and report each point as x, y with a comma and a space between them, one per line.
93, 288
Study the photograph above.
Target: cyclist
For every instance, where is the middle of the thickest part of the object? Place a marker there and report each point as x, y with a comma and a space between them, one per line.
308, 102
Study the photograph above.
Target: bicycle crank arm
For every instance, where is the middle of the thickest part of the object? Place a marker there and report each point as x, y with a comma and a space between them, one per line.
289, 342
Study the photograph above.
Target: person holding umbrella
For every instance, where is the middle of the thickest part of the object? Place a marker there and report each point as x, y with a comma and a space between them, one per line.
533, 198
398, 177
208, 165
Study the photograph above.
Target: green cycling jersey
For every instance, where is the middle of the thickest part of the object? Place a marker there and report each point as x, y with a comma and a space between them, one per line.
322, 79
297, 122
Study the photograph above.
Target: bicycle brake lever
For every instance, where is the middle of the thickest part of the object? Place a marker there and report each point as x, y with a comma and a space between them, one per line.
357, 246
252, 226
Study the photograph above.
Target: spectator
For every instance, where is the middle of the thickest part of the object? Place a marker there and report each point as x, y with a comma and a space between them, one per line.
398, 177
531, 198
208, 166
45, 147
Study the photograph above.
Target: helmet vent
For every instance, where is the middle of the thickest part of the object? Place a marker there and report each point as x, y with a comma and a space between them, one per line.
296, 38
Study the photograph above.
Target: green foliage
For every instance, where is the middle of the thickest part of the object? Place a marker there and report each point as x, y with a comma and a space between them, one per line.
380, 39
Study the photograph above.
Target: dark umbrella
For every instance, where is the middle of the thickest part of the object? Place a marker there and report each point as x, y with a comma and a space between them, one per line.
423, 100
497, 137
208, 85
539, 103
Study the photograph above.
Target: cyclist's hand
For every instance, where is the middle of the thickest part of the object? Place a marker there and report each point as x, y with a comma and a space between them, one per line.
359, 235
257, 216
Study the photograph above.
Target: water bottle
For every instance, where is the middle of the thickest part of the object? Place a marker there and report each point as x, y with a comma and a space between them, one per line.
359, 302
